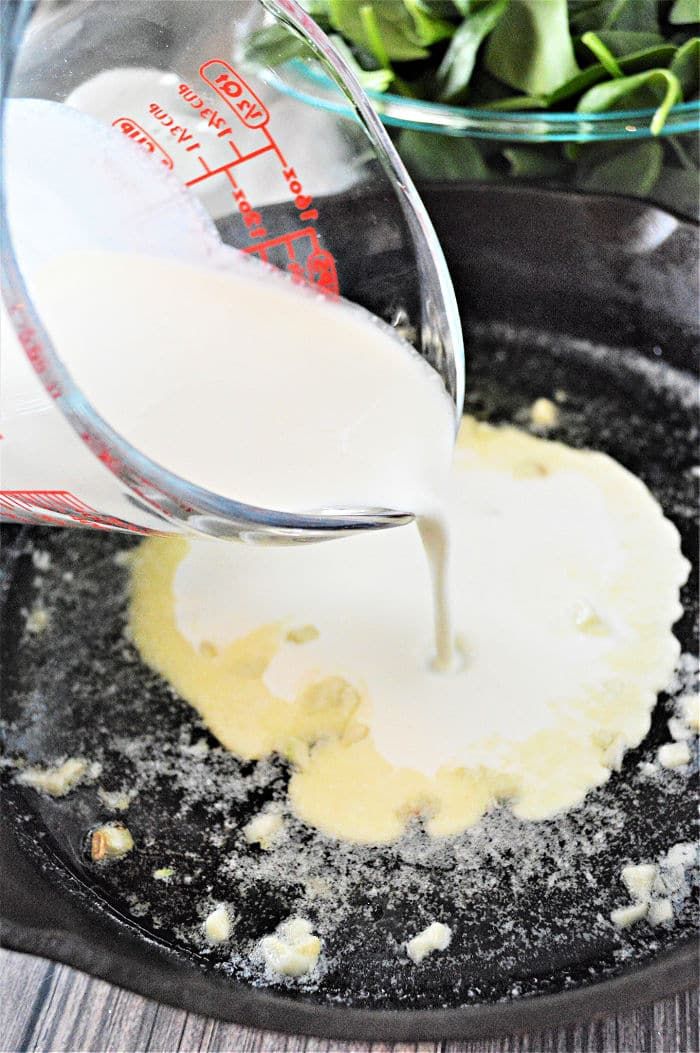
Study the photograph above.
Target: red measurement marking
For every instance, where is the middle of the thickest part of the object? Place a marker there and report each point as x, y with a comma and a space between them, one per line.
235, 92
29, 340
179, 132
44, 506
317, 268
138, 135
207, 113
321, 272
240, 159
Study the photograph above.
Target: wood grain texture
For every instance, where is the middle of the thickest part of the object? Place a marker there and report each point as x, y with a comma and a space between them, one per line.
51, 1008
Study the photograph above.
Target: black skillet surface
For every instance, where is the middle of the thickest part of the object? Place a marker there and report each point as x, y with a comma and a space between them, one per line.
588, 296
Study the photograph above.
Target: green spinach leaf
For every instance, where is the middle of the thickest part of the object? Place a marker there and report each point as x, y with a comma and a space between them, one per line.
604, 55
684, 12
686, 66
535, 162
614, 169
455, 70
431, 156
625, 42
640, 16
625, 93
392, 29
430, 29
531, 48
370, 79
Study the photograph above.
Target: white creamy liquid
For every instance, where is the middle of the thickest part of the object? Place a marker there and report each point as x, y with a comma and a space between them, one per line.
258, 390
566, 587
220, 370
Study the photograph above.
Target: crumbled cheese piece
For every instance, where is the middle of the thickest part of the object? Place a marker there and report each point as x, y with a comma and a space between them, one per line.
67, 576
111, 841
217, 926
587, 620
123, 557
678, 729
560, 395
640, 880
37, 619
293, 950
41, 559
673, 755
623, 917
435, 938
55, 781
660, 911
116, 800
544, 413
691, 711
646, 768
264, 829
163, 873
303, 634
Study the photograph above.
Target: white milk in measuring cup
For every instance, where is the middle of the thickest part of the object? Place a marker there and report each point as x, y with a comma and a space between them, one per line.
224, 374
100, 191
291, 401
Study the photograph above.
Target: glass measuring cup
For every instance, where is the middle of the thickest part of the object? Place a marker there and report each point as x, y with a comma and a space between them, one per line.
318, 195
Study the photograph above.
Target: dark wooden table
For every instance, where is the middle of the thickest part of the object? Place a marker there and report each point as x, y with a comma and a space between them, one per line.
50, 1007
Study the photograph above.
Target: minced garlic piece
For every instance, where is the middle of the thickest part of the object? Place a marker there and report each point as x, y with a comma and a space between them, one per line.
678, 729
163, 873
623, 917
682, 854
640, 880
217, 926
56, 781
691, 711
41, 559
435, 938
544, 413
673, 755
111, 841
264, 829
37, 619
116, 800
660, 911
293, 949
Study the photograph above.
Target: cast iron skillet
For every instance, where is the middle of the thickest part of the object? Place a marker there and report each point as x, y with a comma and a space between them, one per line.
592, 297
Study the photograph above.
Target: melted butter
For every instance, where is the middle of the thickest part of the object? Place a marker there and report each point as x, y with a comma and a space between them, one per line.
540, 710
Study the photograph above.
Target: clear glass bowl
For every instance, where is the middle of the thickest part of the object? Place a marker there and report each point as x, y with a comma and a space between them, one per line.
612, 152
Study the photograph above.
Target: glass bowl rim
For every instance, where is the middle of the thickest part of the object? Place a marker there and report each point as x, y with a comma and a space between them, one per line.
446, 119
